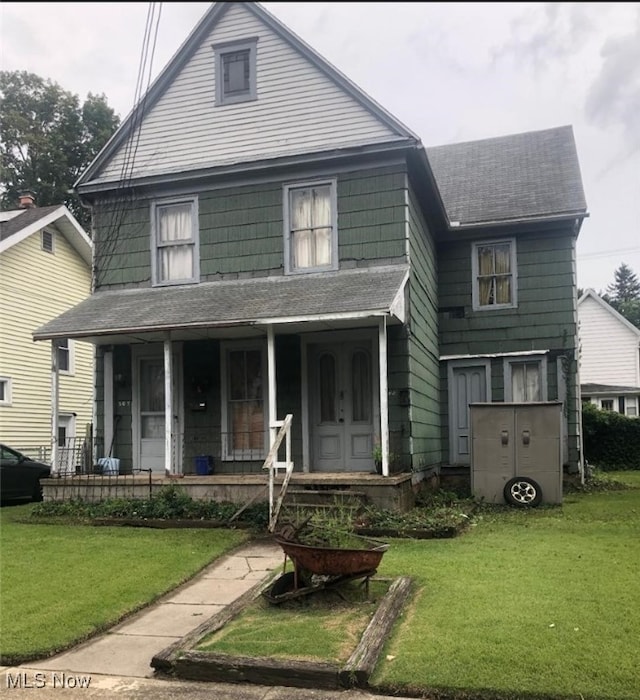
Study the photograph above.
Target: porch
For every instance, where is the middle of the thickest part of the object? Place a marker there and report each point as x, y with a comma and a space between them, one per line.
394, 492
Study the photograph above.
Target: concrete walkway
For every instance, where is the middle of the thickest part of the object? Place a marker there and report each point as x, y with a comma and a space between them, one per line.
117, 663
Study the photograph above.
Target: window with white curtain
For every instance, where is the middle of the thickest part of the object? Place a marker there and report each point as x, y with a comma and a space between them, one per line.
494, 274
310, 227
175, 242
525, 379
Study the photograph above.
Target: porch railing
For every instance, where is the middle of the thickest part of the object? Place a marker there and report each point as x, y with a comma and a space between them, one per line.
273, 465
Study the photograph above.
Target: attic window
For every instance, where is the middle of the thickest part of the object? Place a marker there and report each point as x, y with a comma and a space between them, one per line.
47, 241
235, 64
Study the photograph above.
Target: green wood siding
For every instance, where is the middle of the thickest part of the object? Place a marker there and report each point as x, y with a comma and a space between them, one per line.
424, 369
544, 319
241, 228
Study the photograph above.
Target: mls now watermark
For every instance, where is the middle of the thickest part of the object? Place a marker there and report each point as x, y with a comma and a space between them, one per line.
54, 679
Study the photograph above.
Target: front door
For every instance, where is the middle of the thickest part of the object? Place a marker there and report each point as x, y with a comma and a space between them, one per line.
466, 385
341, 406
150, 414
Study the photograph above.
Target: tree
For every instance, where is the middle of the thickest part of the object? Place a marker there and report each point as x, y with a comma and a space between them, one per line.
624, 294
47, 138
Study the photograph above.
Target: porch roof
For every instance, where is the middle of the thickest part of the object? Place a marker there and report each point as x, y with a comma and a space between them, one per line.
355, 294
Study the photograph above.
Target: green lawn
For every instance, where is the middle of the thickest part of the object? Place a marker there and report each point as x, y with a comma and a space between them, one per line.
540, 604
62, 583
543, 603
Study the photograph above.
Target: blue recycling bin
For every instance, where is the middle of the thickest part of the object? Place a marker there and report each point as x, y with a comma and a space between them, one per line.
204, 465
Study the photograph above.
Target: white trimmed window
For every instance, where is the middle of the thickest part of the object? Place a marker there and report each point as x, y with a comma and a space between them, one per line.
5, 391
311, 227
244, 411
606, 404
632, 406
175, 234
493, 265
235, 64
47, 240
525, 379
65, 356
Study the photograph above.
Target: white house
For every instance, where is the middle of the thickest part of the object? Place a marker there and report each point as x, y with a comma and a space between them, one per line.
609, 356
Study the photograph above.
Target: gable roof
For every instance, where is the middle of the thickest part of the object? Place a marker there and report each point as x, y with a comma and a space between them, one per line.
153, 124
509, 179
18, 224
358, 293
590, 294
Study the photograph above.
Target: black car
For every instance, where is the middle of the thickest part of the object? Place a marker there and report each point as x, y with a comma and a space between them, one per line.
20, 476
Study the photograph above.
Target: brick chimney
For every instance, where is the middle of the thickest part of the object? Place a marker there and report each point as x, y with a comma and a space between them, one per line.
26, 200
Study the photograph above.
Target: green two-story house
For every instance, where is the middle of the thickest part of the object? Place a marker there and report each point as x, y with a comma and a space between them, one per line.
271, 241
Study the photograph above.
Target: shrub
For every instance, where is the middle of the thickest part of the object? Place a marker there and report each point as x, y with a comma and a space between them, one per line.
611, 440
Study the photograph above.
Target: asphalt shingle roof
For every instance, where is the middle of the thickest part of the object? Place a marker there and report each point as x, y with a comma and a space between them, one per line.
588, 389
229, 302
26, 218
510, 178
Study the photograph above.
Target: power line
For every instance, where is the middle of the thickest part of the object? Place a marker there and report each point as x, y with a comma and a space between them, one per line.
608, 253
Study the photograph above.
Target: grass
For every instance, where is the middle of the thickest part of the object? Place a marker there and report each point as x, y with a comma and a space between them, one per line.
60, 584
320, 627
543, 603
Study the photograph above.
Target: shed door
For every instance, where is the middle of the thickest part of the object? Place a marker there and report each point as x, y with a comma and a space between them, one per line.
469, 386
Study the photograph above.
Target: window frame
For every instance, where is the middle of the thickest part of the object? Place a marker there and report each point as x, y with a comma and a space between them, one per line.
333, 265
477, 306
508, 364
156, 207
249, 44
7, 399
48, 232
226, 347
70, 350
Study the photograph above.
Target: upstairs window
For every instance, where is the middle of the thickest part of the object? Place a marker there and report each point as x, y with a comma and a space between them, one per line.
175, 242
310, 227
47, 241
235, 64
494, 274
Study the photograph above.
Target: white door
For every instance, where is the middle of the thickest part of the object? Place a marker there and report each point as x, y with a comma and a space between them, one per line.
467, 385
149, 416
341, 406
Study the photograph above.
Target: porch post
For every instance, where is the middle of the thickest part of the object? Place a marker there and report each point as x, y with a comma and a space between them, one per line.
384, 395
271, 374
55, 401
107, 367
168, 406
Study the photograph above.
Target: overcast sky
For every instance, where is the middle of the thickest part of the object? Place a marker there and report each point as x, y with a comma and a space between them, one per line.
450, 71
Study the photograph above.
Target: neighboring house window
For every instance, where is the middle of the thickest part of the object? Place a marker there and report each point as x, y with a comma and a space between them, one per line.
524, 380
5, 391
65, 356
632, 407
243, 406
175, 242
494, 274
235, 64
606, 404
310, 215
47, 241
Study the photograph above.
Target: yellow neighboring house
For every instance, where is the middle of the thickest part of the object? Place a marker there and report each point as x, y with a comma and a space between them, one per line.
45, 269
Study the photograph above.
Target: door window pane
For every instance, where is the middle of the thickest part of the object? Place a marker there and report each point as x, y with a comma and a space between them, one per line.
327, 385
246, 407
152, 386
361, 386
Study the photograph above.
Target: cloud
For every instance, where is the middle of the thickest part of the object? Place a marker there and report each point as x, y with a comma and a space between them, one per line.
613, 99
